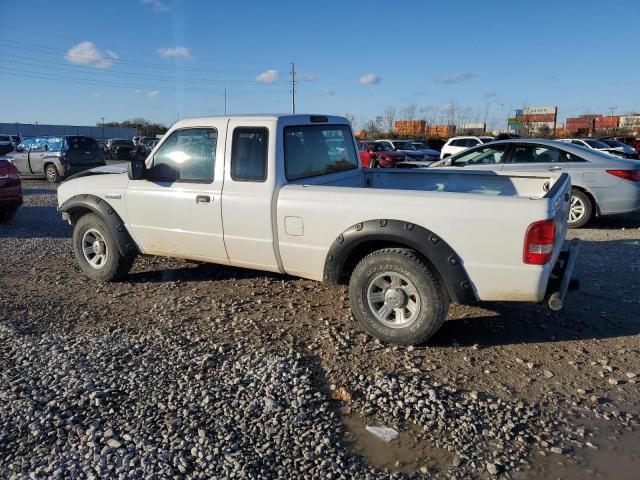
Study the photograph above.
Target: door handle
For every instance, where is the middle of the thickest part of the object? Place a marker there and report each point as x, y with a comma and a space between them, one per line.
203, 199
42, 154
553, 169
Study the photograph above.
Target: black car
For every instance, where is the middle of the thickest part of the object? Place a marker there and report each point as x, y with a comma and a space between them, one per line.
121, 149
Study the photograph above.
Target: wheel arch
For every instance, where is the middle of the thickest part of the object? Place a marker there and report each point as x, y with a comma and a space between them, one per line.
79, 205
361, 239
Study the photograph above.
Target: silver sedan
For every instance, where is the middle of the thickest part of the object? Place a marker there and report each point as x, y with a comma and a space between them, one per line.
602, 184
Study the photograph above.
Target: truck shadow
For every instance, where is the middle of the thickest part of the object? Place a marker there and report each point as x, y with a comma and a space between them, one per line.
198, 272
606, 306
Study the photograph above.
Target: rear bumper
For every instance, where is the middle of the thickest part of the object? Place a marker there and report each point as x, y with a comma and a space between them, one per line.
561, 280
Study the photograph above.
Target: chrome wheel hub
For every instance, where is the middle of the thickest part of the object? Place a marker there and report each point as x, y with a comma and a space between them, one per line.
94, 249
393, 299
576, 210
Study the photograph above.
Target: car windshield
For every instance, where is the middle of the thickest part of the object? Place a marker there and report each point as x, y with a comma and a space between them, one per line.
380, 147
82, 143
486, 139
614, 143
596, 144
420, 146
405, 146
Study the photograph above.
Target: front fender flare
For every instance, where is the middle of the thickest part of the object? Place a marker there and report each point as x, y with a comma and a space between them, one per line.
84, 202
445, 260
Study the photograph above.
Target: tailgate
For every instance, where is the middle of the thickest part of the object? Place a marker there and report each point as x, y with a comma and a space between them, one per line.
559, 196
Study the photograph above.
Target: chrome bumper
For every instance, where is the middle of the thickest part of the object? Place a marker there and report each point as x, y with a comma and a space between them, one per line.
562, 281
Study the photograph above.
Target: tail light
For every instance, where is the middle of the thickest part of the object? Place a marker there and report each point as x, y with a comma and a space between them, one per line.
631, 175
8, 170
538, 242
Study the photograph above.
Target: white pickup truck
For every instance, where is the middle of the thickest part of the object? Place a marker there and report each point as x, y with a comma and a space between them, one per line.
285, 193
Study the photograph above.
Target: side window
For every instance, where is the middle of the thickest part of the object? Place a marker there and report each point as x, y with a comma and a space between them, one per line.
25, 145
187, 155
537, 154
481, 156
578, 142
361, 147
456, 143
249, 154
38, 144
471, 142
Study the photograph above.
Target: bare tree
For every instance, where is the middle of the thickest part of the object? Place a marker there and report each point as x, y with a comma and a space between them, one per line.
352, 119
409, 112
390, 117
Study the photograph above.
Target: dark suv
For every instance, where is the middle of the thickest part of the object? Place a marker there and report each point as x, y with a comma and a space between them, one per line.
56, 157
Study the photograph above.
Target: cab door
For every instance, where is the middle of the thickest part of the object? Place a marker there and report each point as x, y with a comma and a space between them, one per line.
20, 157
37, 154
176, 209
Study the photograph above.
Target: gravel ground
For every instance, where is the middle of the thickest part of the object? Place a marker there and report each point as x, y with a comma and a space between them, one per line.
211, 372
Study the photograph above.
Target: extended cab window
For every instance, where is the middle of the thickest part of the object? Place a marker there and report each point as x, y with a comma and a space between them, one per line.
249, 154
481, 156
313, 150
188, 154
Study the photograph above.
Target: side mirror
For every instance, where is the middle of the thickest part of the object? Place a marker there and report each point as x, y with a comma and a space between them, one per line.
136, 168
447, 162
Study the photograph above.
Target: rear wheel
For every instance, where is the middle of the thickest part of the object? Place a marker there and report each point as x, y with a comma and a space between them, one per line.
51, 172
96, 251
397, 297
580, 209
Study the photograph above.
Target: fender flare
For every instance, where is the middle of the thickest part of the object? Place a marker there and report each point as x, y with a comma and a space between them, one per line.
445, 260
83, 202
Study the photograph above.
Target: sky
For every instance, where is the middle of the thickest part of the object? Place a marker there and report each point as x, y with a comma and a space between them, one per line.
76, 62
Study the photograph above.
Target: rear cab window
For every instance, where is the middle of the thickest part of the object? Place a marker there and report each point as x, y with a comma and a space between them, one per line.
81, 144
314, 150
249, 154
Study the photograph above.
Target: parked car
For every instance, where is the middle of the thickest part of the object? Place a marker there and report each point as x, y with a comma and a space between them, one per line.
633, 142
601, 184
56, 157
147, 142
625, 150
458, 144
10, 190
593, 144
430, 154
432, 143
405, 147
378, 155
6, 144
120, 149
289, 206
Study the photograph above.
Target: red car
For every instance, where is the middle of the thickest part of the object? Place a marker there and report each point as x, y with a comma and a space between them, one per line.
376, 155
10, 190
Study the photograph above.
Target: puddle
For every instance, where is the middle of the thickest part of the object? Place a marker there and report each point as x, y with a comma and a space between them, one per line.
617, 457
404, 454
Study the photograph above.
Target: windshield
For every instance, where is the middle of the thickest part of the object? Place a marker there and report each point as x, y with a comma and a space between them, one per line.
596, 144
405, 146
615, 143
380, 147
486, 139
420, 146
81, 144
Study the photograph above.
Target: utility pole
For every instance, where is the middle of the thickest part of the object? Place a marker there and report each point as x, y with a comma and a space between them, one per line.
36, 128
613, 129
225, 101
102, 127
293, 87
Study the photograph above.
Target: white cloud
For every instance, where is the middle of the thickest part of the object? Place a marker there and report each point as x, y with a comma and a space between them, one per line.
456, 78
175, 52
268, 76
86, 53
152, 93
369, 79
157, 5
306, 77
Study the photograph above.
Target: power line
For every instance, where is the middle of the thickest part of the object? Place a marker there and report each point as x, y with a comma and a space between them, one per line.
55, 51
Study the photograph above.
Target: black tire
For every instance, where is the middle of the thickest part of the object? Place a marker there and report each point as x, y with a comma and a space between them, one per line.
115, 265
585, 201
433, 300
51, 173
7, 215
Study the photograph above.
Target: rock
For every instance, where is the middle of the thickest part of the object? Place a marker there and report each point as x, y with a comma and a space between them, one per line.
113, 443
492, 468
547, 374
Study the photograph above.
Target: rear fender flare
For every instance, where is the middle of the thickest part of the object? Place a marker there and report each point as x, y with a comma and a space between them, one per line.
86, 202
448, 264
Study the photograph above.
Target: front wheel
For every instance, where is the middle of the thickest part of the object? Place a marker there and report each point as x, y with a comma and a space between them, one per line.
397, 297
580, 209
96, 251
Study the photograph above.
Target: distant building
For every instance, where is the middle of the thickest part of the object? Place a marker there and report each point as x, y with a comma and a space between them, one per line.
38, 129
